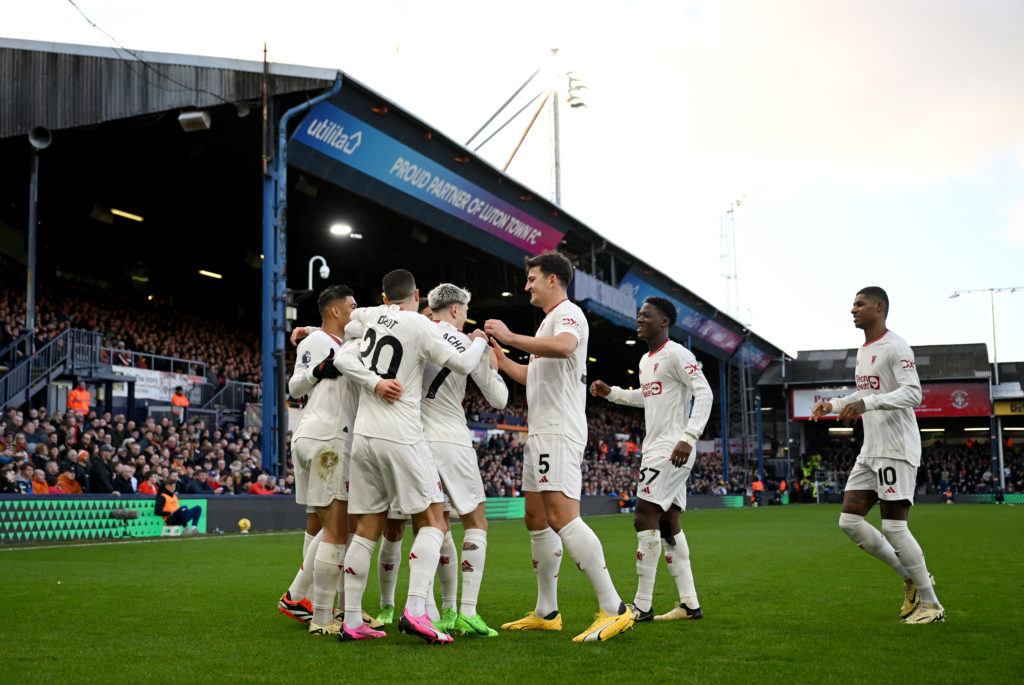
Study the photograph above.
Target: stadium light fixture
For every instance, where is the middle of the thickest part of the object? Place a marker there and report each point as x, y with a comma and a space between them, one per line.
933, 430
767, 408
592, 360
840, 430
356, 236
126, 215
209, 274
630, 371
194, 121
978, 429
1013, 428
631, 342
471, 322
506, 294
340, 230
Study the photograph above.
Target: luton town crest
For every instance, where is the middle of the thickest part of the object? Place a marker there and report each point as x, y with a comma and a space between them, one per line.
959, 399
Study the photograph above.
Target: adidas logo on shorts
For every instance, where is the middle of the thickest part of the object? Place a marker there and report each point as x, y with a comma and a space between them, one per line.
543, 479
890, 490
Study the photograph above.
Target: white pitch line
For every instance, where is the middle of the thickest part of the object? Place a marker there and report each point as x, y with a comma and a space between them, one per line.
165, 538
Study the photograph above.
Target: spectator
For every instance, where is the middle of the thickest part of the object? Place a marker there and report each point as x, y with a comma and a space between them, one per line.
260, 486
67, 480
149, 486
122, 482
200, 485
79, 399
101, 480
168, 507
39, 486
51, 483
8, 481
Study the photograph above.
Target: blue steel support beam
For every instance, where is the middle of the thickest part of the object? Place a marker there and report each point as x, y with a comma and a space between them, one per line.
760, 439
275, 289
723, 407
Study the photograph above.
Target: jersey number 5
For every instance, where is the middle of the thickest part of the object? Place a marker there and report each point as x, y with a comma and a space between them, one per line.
374, 346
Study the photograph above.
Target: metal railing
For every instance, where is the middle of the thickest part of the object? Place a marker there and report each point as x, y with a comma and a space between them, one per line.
71, 350
17, 350
233, 396
153, 362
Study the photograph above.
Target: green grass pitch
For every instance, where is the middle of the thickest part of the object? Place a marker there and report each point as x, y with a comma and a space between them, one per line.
787, 597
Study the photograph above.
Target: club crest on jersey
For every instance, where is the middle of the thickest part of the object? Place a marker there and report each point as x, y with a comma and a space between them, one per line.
873, 358
656, 367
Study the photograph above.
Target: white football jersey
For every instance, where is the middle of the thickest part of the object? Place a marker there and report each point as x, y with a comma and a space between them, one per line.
887, 381
670, 378
444, 419
556, 389
395, 343
331, 405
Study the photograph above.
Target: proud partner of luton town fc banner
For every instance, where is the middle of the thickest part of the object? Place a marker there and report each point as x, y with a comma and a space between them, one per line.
343, 137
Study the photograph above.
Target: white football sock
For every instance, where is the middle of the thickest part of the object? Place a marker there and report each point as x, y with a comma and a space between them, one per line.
647, 552
871, 541
677, 557
911, 557
306, 539
326, 569
585, 549
426, 549
303, 581
341, 580
430, 601
388, 562
474, 553
546, 549
448, 572
356, 569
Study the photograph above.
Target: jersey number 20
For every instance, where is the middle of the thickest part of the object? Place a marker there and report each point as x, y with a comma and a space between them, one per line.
374, 346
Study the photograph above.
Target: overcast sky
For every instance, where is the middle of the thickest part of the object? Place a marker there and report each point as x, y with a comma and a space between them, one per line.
875, 142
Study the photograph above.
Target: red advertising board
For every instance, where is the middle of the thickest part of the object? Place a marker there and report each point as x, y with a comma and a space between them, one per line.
954, 399
938, 400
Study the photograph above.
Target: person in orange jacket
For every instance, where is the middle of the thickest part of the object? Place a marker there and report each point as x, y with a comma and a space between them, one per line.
79, 399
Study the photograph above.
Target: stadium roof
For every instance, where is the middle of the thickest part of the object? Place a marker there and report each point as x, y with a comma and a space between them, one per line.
114, 143
934, 363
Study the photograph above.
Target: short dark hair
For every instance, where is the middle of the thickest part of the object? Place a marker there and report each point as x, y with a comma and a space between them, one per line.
398, 285
664, 306
424, 303
331, 293
876, 293
552, 262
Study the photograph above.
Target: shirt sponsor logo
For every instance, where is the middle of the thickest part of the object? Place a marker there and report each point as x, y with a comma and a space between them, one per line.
651, 389
868, 382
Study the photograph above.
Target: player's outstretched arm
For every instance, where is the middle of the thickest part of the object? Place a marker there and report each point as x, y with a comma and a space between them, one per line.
560, 346
631, 398
516, 372
490, 383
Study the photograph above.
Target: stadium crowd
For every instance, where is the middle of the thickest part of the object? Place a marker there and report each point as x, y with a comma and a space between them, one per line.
72, 453
957, 468
135, 333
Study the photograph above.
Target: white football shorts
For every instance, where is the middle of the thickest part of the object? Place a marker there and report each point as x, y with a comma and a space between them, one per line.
460, 475
661, 483
392, 475
321, 471
891, 479
552, 463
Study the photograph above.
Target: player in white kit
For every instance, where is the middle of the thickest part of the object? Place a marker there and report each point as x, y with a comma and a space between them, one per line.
320, 452
556, 396
391, 465
888, 389
670, 378
444, 424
